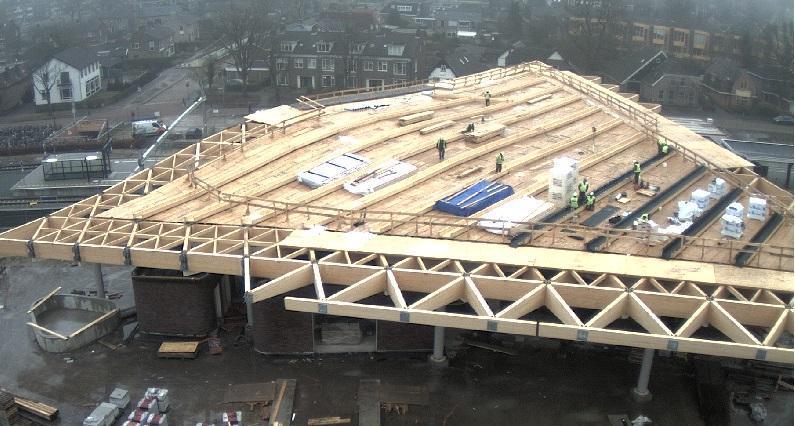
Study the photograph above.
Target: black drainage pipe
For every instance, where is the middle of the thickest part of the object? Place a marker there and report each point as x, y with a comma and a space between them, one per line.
698, 225
742, 258
596, 244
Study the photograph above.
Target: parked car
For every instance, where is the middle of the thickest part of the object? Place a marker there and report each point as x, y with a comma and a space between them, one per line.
783, 119
195, 133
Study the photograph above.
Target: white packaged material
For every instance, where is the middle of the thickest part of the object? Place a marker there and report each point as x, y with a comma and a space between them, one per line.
120, 398
717, 188
104, 415
503, 219
735, 209
732, 226
700, 197
687, 211
562, 180
332, 169
757, 208
383, 176
161, 395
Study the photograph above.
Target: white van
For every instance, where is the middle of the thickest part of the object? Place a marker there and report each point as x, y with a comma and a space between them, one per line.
146, 128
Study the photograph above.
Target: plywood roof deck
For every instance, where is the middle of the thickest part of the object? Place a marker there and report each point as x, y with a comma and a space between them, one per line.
213, 207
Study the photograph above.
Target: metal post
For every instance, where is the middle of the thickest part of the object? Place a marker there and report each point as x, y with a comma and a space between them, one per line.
641, 392
247, 288
438, 345
98, 280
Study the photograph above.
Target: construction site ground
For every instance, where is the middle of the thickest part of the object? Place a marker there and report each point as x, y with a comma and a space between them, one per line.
548, 381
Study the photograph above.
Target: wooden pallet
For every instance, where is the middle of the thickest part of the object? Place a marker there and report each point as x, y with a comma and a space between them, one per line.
187, 350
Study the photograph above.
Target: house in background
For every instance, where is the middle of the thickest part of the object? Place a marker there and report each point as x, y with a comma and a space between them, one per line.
674, 82
332, 60
73, 75
734, 87
152, 42
464, 60
628, 71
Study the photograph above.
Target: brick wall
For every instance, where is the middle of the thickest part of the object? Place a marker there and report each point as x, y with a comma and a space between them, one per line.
168, 303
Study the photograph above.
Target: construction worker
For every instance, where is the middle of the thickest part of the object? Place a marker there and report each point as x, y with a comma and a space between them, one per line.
590, 200
500, 160
636, 171
487, 96
662, 145
470, 128
574, 201
441, 146
583, 187
644, 217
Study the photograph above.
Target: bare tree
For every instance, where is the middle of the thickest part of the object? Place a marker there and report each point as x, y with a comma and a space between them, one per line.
44, 81
243, 30
598, 38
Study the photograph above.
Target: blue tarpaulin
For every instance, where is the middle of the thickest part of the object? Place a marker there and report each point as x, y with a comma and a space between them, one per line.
474, 198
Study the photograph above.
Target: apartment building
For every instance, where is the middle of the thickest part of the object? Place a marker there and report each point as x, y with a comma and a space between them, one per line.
334, 60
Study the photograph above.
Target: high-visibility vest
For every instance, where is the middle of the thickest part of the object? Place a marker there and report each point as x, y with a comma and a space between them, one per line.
442, 144
500, 158
590, 200
636, 168
664, 148
574, 202
583, 186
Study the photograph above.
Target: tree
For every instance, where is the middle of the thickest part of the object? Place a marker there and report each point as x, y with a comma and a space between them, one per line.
44, 80
598, 38
243, 31
514, 22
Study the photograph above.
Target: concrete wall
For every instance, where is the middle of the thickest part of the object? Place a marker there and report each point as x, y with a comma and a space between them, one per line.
171, 304
51, 343
277, 330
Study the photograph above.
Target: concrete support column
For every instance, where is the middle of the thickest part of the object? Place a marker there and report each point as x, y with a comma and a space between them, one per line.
219, 309
641, 392
100, 284
438, 346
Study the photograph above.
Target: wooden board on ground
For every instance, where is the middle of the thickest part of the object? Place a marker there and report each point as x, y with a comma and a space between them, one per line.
415, 118
282, 410
178, 350
646, 192
250, 392
336, 420
438, 126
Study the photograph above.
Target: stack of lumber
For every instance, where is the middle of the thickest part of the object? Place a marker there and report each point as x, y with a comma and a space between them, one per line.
415, 118
14, 409
38, 409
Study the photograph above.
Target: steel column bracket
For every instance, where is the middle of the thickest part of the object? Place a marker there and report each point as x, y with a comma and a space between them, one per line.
127, 255
31, 250
629, 289
183, 261
76, 252
491, 325
547, 282
322, 308
673, 345
582, 335
405, 316
761, 354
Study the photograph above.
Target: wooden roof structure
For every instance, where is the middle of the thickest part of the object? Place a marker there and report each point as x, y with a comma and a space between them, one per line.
230, 204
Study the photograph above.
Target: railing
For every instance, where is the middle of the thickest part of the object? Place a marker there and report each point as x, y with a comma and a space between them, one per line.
438, 226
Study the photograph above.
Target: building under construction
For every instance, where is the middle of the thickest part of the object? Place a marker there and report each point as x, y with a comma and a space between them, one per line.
331, 210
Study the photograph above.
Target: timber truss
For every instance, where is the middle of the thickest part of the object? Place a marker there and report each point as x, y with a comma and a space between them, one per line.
534, 297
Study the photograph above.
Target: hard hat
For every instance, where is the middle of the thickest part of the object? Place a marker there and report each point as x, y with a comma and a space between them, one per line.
574, 194
590, 193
